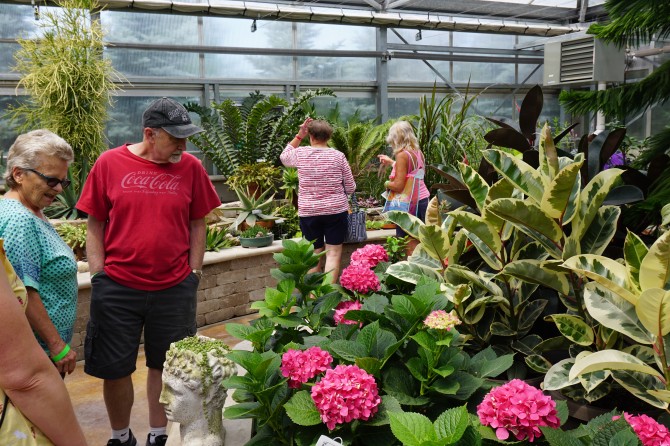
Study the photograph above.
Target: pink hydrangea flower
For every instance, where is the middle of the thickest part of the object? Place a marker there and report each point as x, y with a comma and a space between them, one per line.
301, 366
360, 279
650, 432
517, 408
341, 310
344, 394
369, 256
441, 320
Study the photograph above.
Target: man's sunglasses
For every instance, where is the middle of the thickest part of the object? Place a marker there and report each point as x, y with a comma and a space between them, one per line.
52, 181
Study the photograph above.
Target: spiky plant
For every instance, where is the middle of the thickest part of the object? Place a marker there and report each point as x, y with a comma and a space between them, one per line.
632, 22
360, 143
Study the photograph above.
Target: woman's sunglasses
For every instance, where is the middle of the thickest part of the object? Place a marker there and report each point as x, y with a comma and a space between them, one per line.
52, 181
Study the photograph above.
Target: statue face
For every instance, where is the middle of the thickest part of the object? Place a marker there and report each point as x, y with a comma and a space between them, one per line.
181, 404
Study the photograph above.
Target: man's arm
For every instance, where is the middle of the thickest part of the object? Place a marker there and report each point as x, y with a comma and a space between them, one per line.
95, 244
196, 252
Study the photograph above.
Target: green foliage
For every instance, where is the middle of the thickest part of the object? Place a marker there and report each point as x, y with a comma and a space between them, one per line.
253, 208
287, 223
360, 142
74, 235
255, 232
218, 239
290, 182
257, 129
68, 80
396, 248
412, 365
264, 175
65, 204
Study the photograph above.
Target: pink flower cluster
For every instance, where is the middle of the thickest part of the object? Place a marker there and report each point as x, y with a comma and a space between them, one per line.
517, 408
369, 256
360, 279
650, 432
441, 320
344, 394
301, 366
341, 311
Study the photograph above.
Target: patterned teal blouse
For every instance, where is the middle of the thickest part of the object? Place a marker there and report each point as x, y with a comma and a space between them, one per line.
42, 261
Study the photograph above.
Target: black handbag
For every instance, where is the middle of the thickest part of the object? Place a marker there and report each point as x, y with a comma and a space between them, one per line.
356, 231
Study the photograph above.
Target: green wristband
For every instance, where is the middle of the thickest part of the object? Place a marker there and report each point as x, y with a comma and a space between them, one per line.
62, 354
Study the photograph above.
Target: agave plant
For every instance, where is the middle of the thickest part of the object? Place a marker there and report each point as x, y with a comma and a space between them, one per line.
252, 208
630, 298
500, 263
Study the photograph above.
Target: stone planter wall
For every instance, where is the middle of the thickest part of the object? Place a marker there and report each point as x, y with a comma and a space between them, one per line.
232, 279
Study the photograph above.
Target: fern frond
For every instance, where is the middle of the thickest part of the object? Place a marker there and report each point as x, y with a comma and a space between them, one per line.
259, 122
658, 145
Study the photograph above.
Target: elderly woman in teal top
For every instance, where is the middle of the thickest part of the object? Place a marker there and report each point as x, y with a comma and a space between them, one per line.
37, 166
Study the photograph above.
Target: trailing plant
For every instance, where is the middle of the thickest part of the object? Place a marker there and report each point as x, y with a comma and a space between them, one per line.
218, 238
252, 208
396, 248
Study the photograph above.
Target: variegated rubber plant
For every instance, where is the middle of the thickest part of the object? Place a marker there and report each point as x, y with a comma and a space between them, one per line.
522, 229
631, 298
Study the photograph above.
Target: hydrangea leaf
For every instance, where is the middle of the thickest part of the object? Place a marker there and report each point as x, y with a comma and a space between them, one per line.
451, 424
302, 410
412, 429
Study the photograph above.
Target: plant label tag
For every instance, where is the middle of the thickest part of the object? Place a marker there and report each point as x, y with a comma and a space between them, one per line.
325, 441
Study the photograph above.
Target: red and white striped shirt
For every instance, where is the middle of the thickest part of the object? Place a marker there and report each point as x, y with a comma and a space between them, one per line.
325, 179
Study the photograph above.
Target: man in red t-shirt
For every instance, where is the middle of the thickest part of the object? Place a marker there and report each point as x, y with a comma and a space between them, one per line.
146, 206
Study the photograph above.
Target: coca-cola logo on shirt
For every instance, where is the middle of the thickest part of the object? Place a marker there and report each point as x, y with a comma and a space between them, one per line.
153, 181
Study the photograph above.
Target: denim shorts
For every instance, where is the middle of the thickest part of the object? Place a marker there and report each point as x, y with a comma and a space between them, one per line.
332, 228
118, 316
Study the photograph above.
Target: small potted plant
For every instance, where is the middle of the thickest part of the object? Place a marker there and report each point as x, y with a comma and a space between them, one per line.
256, 237
254, 211
256, 177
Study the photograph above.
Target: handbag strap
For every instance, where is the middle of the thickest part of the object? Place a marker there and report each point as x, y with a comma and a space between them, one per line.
4, 410
352, 199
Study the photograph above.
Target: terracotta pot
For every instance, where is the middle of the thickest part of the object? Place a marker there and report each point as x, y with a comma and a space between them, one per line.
389, 226
267, 224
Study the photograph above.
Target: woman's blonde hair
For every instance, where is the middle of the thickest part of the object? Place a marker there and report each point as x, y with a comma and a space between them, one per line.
401, 136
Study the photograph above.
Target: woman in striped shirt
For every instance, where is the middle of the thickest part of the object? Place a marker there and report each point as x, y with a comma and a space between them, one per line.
325, 182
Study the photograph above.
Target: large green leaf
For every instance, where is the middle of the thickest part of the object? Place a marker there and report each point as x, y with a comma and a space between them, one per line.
517, 172
530, 219
301, 409
412, 429
610, 360
411, 272
592, 197
642, 386
483, 236
607, 272
653, 309
547, 153
409, 223
533, 272
478, 187
655, 267
574, 328
422, 257
614, 312
475, 279
561, 197
558, 375
634, 250
600, 232
435, 241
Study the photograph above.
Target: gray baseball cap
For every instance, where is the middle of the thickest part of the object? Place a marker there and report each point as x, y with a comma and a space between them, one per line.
171, 116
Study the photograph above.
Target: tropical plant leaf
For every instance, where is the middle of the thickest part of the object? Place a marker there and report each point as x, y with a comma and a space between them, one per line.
591, 198
530, 110
477, 186
557, 376
574, 328
561, 197
483, 236
509, 138
614, 312
532, 271
517, 172
599, 234
653, 309
655, 267
607, 272
610, 360
435, 242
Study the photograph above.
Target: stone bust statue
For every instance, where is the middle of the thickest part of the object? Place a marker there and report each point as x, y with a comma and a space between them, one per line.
193, 394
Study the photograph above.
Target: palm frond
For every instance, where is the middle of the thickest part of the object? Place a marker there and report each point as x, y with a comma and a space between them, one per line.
215, 141
622, 100
658, 145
